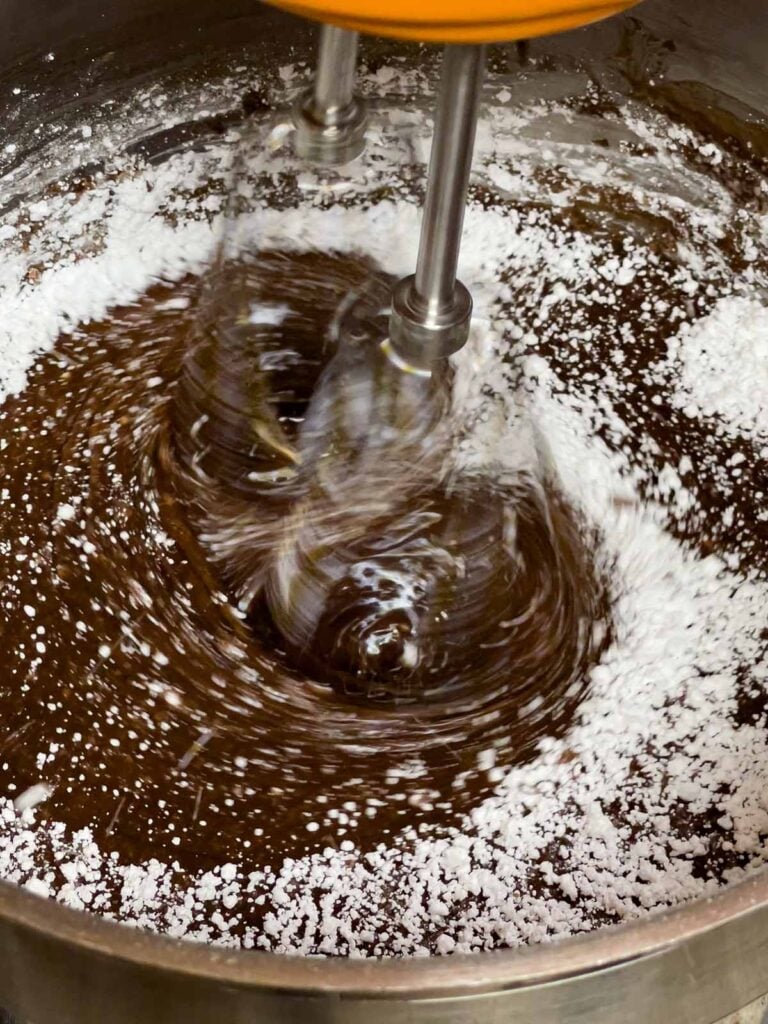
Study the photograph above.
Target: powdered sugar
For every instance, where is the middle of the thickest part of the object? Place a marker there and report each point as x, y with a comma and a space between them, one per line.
721, 365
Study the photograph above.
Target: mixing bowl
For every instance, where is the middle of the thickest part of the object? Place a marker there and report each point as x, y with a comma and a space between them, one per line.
693, 964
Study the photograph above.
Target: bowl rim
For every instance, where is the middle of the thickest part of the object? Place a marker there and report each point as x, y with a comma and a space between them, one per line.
416, 977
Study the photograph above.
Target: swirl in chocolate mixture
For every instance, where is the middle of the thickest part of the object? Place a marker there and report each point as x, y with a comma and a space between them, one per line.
211, 732
307, 654
328, 505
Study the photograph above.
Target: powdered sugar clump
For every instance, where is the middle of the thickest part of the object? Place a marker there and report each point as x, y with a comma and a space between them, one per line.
721, 365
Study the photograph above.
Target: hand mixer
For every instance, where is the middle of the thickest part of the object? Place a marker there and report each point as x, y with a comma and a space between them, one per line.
431, 308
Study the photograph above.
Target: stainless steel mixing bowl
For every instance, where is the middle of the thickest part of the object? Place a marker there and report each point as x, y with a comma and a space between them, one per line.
692, 965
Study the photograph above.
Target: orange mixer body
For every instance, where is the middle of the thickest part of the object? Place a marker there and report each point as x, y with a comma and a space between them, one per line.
457, 21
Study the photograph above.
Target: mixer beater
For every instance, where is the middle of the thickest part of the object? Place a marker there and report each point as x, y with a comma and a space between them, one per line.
360, 477
431, 309
329, 118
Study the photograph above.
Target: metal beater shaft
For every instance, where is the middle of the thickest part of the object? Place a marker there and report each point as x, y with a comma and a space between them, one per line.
329, 118
431, 309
